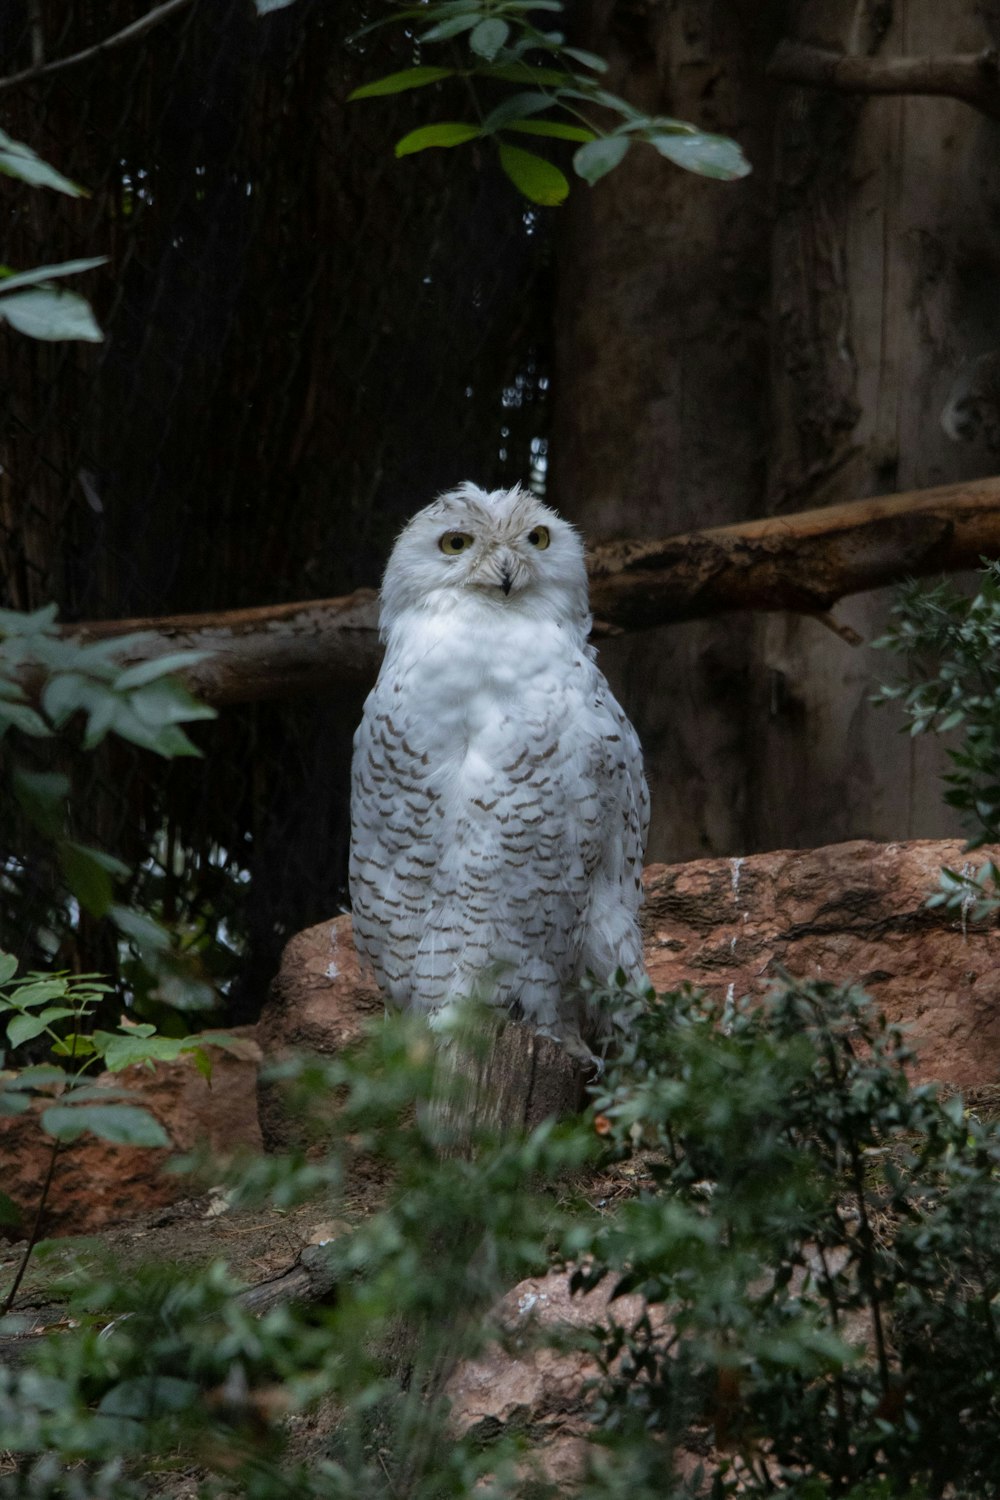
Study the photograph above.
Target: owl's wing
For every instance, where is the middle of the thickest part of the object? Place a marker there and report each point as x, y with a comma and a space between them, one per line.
628, 799
397, 838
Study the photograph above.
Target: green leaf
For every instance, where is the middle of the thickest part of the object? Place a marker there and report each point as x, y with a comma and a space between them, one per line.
101, 710
75, 1047
122, 1124
8, 966
167, 701
50, 315
10, 1214
13, 1104
100, 1093
558, 129
532, 175
90, 875
21, 1029
489, 38
38, 1076
447, 133
42, 795
517, 107
27, 996
158, 666
140, 928
598, 157
453, 26
65, 694
20, 716
397, 83
163, 739
125, 1049
144, 1397
40, 274
708, 155
264, 7
38, 622
520, 72
202, 1062
18, 160
588, 59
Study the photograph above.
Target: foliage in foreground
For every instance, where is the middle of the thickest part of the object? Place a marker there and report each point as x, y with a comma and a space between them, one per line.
818, 1249
66, 695
950, 649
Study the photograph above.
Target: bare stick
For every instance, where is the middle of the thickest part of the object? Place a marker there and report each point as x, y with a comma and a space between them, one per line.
117, 39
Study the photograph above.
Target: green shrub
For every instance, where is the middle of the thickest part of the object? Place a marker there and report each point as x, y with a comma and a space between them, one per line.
818, 1248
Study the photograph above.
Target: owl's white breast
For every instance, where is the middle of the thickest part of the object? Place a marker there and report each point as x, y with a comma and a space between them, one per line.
476, 664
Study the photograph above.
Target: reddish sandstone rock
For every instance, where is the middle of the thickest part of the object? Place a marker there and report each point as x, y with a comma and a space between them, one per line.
96, 1184
848, 912
521, 1386
319, 1002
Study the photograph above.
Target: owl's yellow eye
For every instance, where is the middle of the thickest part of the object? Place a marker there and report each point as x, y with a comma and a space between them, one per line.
539, 537
454, 542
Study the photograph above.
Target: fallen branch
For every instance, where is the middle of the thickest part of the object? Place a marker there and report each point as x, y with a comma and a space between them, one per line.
975, 78
802, 563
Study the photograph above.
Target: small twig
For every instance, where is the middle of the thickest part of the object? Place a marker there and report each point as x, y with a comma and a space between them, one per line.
35, 1229
973, 78
117, 39
844, 632
37, 34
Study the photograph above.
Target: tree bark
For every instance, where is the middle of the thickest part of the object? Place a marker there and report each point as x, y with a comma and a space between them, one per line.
802, 563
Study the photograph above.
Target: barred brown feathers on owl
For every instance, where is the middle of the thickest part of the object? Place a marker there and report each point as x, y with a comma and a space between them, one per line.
498, 804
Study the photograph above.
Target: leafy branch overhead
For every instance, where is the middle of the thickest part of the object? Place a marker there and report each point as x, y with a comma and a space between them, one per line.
527, 82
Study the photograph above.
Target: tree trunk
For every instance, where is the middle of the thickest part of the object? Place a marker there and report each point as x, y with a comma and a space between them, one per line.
736, 350
885, 255
660, 417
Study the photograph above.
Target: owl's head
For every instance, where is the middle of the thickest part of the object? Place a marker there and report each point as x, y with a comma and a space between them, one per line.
502, 549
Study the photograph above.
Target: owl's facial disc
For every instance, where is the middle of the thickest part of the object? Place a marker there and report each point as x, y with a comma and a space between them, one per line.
492, 563
499, 567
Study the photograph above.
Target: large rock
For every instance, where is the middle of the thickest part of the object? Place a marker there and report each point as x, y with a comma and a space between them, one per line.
322, 1002
94, 1183
848, 912
535, 1383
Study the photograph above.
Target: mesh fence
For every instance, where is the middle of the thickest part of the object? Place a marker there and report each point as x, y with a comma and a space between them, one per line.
304, 341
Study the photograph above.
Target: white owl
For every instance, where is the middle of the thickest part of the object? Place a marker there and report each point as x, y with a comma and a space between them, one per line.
498, 806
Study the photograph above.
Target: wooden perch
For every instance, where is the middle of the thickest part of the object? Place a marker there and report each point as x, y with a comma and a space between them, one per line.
803, 562
271, 652
973, 78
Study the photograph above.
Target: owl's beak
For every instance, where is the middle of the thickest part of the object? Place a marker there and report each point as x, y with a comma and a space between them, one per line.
505, 568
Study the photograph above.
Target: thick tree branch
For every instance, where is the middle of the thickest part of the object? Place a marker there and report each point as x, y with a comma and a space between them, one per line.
975, 79
117, 39
803, 563
271, 652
